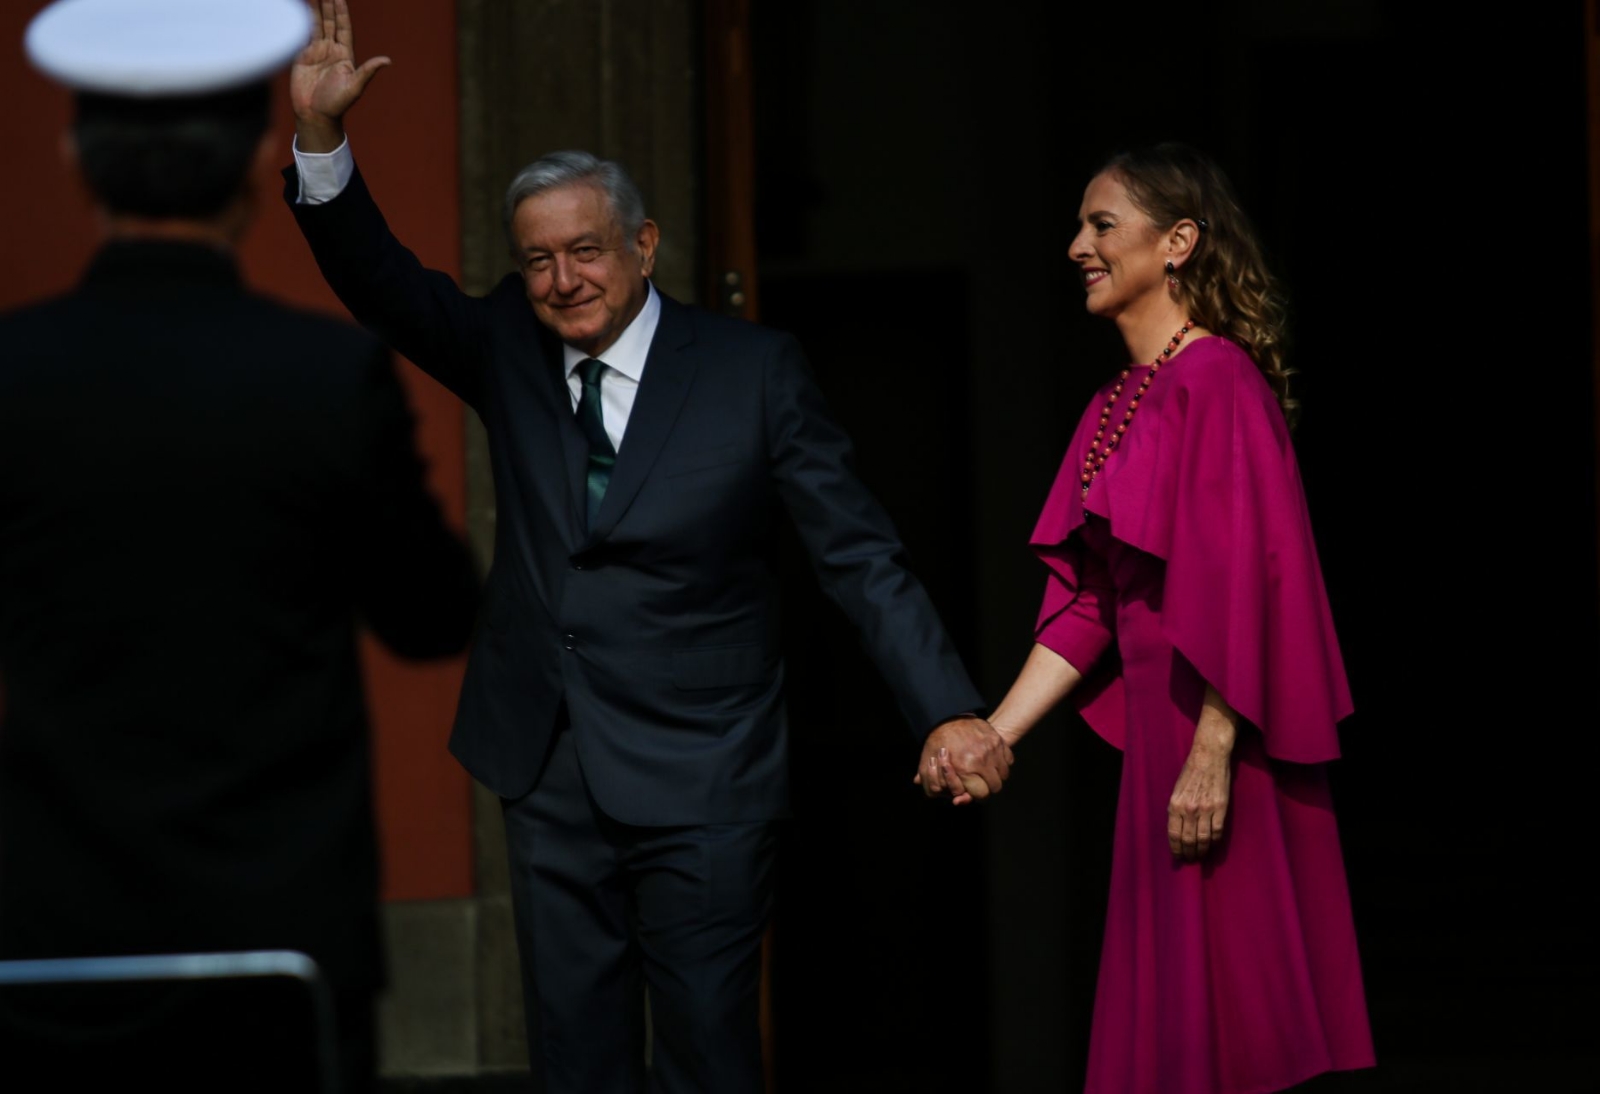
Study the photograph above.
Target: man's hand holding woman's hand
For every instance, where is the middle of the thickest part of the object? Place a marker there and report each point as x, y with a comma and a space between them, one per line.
964, 757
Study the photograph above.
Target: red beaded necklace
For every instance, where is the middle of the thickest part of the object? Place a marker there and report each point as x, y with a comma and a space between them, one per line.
1101, 446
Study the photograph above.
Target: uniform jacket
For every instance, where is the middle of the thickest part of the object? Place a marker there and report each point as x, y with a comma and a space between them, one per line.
202, 495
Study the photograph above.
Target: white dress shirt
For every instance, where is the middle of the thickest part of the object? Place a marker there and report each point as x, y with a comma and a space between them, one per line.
619, 383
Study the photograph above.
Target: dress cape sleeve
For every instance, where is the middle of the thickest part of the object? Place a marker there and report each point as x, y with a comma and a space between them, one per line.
1206, 480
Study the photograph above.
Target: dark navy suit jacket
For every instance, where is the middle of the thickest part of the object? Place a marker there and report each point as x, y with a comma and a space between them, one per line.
657, 630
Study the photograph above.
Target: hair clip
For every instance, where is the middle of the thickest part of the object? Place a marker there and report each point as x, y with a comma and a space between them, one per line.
1202, 222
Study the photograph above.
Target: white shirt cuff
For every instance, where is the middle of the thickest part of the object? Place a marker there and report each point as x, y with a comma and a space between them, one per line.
323, 175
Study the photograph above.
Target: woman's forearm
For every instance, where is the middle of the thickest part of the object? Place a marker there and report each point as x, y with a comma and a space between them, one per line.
1218, 725
1046, 679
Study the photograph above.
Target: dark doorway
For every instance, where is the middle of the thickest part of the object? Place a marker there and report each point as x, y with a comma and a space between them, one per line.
1421, 184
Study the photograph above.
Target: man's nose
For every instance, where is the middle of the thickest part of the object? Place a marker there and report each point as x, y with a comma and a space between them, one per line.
564, 272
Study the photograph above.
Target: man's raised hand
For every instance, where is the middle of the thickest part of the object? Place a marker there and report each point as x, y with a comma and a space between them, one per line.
324, 80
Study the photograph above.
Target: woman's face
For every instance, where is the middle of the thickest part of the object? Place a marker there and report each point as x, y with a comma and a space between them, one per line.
1120, 253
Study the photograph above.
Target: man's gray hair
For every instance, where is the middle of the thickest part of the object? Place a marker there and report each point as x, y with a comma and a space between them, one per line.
558, 169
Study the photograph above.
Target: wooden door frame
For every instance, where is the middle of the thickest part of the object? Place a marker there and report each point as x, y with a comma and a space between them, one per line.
729, 280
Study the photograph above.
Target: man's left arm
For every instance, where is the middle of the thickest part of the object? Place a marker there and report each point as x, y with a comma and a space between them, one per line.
861, 563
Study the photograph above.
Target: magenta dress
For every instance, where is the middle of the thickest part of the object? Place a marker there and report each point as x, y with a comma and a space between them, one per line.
1192, 560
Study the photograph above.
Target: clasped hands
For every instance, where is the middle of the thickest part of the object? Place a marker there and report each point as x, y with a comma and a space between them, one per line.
966, 758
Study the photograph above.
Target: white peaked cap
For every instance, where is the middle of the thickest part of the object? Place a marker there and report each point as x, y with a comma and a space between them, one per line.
149, 48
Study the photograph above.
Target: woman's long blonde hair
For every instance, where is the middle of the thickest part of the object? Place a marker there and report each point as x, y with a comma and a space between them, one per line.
1225, 284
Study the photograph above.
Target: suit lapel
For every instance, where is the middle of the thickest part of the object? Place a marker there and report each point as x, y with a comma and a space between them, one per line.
668, 374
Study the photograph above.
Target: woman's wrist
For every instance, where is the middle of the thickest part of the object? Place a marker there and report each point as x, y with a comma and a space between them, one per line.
1216, 731
1218, 727
1215, 735
1009, 731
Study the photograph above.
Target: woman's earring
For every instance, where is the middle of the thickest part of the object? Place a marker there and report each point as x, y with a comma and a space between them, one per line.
1172, 278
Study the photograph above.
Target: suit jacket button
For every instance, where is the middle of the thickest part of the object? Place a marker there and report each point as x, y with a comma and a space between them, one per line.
572, 641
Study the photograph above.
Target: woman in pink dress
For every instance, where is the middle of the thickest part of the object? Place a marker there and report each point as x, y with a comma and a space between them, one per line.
1185, 617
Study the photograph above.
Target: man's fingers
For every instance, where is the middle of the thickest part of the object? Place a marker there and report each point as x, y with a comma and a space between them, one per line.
364, 74
973, 776
998, 745
991, 763
344, 33
993, 769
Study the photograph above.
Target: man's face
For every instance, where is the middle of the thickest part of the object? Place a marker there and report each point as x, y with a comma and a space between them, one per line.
583, 278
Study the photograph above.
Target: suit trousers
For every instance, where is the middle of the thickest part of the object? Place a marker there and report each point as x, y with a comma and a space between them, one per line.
610, 914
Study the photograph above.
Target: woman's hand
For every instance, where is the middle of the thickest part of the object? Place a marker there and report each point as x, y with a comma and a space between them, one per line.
1197, 812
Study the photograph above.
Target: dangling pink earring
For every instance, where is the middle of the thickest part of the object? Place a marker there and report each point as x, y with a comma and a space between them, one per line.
1172, 278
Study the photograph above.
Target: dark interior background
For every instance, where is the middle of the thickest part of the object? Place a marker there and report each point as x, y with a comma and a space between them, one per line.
1420, 182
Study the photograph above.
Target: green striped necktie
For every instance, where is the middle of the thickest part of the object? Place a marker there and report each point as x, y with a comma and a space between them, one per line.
601, 455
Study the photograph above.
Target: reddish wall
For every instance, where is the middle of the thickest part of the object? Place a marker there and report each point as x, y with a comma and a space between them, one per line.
405, 137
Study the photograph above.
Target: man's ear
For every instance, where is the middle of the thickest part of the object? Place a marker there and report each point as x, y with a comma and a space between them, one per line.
645, 243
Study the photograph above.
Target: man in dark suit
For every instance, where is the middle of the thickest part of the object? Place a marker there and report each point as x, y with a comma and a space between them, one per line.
203, 494
624, 697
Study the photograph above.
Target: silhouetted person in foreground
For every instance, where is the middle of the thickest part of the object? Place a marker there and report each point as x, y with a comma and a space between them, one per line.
203, 495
